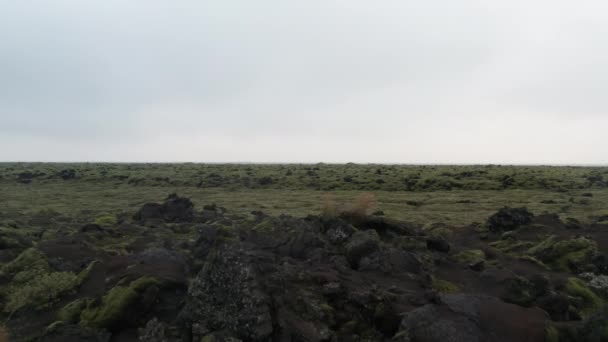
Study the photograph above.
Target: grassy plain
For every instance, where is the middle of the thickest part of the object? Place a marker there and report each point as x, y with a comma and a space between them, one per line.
456, 195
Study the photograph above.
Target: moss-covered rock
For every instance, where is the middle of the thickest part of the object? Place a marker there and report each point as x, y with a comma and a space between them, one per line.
565, 255
114, 306
470, 256
106, 220
70, 313
438, 230
28, 264
444, 286
42, 291
511, 245
591, 302
509, 219
551, 334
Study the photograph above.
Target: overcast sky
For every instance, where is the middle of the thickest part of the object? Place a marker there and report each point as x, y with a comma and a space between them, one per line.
458, 81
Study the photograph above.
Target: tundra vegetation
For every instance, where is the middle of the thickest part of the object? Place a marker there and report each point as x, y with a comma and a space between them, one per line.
236, 252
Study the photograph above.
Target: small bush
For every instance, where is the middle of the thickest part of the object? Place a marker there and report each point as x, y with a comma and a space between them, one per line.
363, 205
329, 207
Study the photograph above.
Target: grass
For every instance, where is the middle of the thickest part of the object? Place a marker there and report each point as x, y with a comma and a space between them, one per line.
299, 190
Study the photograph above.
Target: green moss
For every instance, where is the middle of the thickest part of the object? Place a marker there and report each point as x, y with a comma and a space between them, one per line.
566, 254
551, 334
53, 326
444, 286
470, 256
71, 312
439, 231
208, 338
533, 260
84, 274
511, 245
106, 220
114, 305
577, 288
519, 291
267, 225
28, 264
41, 292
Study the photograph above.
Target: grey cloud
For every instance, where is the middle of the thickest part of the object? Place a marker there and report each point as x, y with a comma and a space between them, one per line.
234, 74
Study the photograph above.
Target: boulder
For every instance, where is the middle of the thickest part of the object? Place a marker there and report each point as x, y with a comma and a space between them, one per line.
472, 318
174, 209
227, 295
438, 244
509, 219
360, 244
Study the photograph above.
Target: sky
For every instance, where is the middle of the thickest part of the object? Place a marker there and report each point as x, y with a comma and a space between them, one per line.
392, 81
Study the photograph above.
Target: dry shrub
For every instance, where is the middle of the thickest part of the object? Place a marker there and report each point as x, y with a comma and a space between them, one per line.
361, 206
330, 206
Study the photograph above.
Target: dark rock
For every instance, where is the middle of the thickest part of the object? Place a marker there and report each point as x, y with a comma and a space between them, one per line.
154, 331
67, 174
227, 294
360, 244
149, 211
472, 318
339, 231
174, 209
478, 266
63, 333
91, 227
509, 219
600, 262
177, 209
556, 305
438, 244
390, 261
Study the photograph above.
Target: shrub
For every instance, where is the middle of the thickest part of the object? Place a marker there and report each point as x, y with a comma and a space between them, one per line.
363, 205
329, 207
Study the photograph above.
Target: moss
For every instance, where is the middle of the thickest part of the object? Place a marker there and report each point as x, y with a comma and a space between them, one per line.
267, 225
444, 286
114, 305
519, 291
410, 243
53, 326
470, 256
551, 334
439, 231
565, 255
71, 312
106, 220
84, 274
208, 338
29, 263
533, 260
41, 292
577, 288
511, 245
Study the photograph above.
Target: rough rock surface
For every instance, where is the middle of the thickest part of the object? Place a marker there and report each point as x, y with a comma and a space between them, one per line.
473, 318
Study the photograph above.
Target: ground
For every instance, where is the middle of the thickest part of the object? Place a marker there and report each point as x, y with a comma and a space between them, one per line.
219, 252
